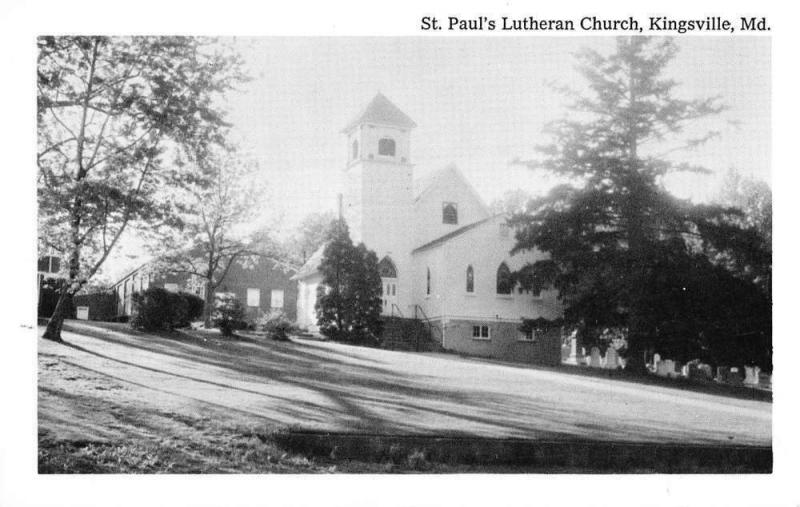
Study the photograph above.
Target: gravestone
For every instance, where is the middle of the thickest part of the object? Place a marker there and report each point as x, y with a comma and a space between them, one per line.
572, 350
701, 371
751, 374
656, 360
665, 368
612, 359
595, 361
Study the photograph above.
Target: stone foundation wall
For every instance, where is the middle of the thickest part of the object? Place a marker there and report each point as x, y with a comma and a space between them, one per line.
505, 342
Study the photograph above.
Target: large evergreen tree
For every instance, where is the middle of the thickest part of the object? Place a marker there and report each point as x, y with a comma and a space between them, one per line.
622, 250
349, 298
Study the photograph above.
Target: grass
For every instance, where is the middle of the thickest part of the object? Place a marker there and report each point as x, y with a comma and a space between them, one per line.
114, 400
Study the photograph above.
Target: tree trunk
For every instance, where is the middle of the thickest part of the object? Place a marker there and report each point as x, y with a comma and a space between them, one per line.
56, 322
208, 307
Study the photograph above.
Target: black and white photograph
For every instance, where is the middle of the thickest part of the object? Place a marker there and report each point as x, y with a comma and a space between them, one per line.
540, 255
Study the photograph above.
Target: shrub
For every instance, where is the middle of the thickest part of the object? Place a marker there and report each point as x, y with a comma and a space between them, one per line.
228, 314
277, 325
158, 308
152, 309
194, 307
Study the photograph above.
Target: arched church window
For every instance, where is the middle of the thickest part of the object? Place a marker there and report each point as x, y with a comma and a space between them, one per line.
386, 268
355, 149
428, 282
470, 279
504, 283
386, 146
449, 213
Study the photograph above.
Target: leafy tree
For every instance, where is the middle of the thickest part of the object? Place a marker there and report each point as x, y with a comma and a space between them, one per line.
211, 236
754, 199
623, 251
349, 298
512, 201
110, 112
310, 235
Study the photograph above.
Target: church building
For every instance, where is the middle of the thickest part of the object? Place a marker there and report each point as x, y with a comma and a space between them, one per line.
444, 257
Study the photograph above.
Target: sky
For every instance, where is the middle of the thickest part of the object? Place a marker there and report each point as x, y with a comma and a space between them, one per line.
479, 103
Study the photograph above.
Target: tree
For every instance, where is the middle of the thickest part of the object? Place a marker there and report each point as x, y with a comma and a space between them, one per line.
622, 250
212, 233
512, 201
110, 112
349, 298
754, 199
310, 235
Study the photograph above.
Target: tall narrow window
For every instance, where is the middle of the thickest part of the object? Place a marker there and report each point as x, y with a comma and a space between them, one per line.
504, 284
386, 147
355, 149
470, 279
449, 213
428, 282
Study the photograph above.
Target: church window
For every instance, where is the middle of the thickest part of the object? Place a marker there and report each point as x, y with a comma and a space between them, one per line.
386, 146
355, 149
449, 213
470, 279
504, 284
428, 282
386, 268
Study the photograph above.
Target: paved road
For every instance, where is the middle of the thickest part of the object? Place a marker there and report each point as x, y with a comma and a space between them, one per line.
327, 386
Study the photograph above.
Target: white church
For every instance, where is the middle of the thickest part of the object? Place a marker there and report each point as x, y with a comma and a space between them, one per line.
444, 257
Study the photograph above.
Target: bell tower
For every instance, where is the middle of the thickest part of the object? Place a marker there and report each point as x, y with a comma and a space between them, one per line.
377, 186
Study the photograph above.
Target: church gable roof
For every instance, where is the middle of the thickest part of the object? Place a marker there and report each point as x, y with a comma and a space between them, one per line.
458, 232
445, 177
383, 112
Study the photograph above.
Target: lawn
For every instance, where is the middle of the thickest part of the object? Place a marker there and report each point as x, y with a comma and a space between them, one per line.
114, 400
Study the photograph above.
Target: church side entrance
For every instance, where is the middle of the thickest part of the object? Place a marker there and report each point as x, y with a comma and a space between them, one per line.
388, 273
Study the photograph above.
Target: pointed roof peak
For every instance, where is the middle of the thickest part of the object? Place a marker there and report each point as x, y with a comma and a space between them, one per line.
382, 111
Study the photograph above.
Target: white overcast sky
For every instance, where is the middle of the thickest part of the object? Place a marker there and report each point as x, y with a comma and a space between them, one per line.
478, 103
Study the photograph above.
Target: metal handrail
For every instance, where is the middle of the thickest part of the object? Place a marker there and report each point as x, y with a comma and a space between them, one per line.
427, 322
399, 312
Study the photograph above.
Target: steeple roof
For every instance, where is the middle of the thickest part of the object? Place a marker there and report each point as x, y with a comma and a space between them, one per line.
381, 111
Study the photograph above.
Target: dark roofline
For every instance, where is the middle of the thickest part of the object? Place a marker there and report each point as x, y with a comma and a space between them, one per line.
453, 234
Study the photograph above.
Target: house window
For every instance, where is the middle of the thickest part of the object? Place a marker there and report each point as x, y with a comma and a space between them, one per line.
386, 147
428, 282
355, 149
504, 285
49, 264
470, 279
481, 332
449, 213
254, 297
527, 336
276, 299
